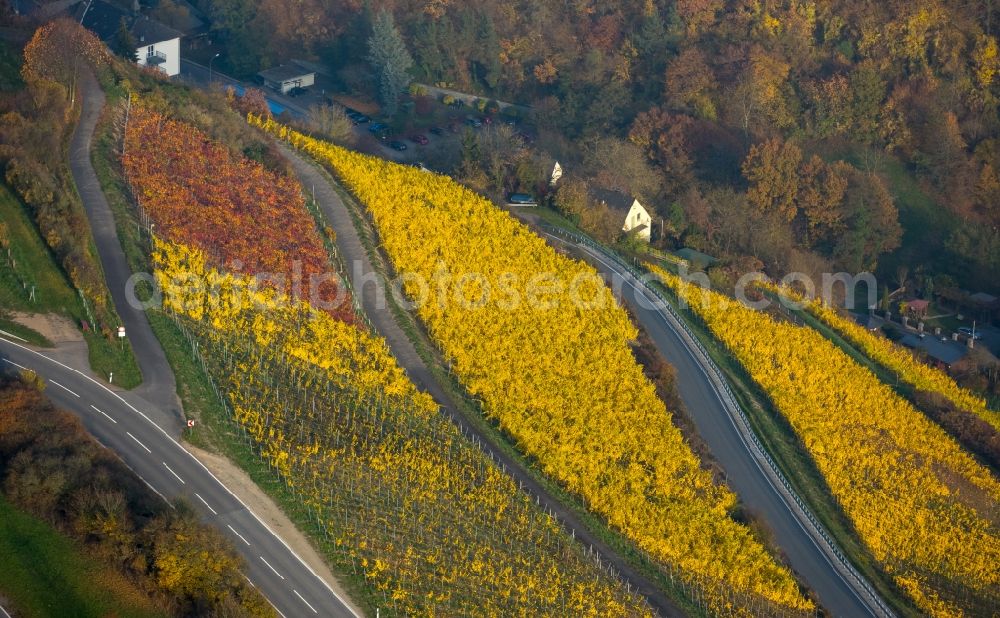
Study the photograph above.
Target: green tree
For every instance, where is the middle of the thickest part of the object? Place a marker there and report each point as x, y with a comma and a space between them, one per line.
427, 49
867, 92
488, 53
124, 43
389, 57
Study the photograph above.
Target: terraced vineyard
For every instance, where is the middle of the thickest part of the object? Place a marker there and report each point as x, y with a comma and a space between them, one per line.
418, 513
552, 366
926, 509
900, 360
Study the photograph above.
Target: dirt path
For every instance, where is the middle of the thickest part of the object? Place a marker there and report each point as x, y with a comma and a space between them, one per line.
55, 328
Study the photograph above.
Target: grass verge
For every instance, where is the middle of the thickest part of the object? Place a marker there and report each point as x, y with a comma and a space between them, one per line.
43, 573
23, 332
31, 281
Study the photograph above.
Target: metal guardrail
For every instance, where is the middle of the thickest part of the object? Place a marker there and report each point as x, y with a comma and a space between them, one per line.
729, 399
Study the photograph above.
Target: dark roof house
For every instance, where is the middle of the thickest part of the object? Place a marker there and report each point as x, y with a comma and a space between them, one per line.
104, 19
146, 30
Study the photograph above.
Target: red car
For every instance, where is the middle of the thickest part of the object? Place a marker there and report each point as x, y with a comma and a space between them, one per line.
420, 139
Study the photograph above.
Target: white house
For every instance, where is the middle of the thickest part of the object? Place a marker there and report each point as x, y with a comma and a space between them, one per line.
158, 45
638, 221
636, 218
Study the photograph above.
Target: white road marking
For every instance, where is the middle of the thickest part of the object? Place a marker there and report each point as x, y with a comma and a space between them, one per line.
105, 414
239, 535
198, 462
139, 443
271, 567
12, 335
304, 601
16, 365
1, 606
169, 503
64, 388
174, 473
213, 510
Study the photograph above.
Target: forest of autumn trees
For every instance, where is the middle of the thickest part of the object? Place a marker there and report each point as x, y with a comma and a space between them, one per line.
731, 101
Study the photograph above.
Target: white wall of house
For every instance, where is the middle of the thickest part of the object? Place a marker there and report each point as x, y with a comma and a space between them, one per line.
636, 217
304, 81
171, 49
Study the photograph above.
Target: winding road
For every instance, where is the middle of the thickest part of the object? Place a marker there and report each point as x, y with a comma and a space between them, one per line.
841, 591
158, 382
142, 426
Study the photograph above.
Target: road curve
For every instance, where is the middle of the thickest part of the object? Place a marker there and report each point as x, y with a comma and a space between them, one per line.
140, 425
371, 294
158, 382
123, 423
747, 473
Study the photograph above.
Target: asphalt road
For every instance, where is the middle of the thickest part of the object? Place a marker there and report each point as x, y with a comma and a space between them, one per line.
122, 423
745, 473
158, 383
373, 300
141, 425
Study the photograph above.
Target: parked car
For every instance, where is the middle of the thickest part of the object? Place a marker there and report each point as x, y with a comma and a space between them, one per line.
359, 118
474, 122
965, 330
296, 91
436, 130
521, 199
420, 139
376, 127
397, 145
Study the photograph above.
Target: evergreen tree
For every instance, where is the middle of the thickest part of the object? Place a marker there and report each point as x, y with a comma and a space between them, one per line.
488, 56
427, 48
124, 43
388, 56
